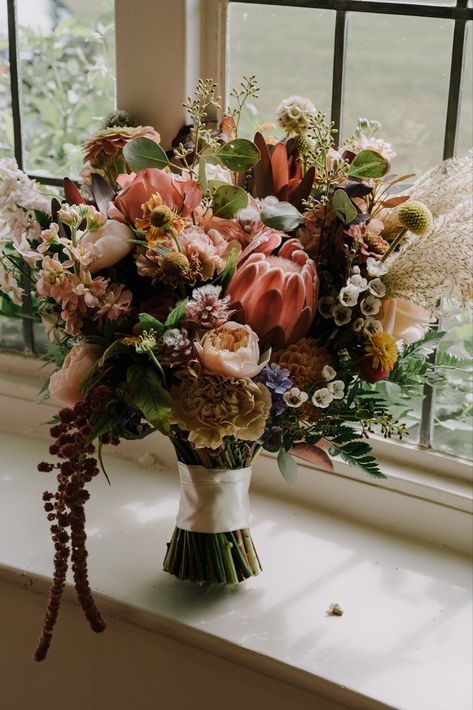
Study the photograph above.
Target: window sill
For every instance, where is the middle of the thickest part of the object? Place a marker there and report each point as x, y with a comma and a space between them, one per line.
427, 495
403, 641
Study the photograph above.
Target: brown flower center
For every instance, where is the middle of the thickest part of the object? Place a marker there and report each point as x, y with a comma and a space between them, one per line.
160, 216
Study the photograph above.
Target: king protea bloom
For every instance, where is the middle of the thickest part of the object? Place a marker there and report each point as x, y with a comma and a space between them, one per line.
276, 295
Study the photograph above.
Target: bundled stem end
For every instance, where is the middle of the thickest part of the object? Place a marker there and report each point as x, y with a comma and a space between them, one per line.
213, 558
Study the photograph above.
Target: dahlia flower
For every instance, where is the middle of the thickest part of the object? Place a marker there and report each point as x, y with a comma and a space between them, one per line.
276, 295
104, 147
305, 361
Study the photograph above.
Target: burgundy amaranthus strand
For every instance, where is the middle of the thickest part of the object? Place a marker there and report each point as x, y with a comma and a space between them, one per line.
65, 510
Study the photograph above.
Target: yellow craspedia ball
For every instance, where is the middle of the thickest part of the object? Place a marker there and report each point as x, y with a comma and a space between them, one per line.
415, 217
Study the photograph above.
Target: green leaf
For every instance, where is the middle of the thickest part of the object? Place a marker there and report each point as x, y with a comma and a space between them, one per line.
343, 207
43, 218
288, 467
141, 153
282, 216
149, 396
177, 314
150, 323
228, 200
238, 155
368, 164
223, 279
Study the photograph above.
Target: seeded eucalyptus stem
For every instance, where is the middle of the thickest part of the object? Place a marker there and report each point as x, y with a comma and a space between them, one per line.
215, 558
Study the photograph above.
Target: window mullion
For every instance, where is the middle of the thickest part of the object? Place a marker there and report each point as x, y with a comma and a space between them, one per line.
338, 76
27, 305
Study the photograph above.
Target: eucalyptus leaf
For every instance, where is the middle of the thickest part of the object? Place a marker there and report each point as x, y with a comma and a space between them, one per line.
282, 216
343, 207
150, 323
141, 153
149, 396
177, 314
368, 164
288, 467
238, 155
228, 200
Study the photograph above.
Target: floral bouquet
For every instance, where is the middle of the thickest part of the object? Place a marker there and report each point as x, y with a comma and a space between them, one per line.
236, 296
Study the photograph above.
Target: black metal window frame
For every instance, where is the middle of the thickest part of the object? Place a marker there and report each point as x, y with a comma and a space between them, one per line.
460, 13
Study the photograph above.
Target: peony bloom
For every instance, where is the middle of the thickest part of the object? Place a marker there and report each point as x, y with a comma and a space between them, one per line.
276, 295
64, 384
231, 350
110, 244
210, 407
404, 320
180, 194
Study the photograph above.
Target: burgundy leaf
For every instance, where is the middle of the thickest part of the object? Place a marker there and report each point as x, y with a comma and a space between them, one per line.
72, 194
262, 172
394, 201
313, 454
103, 193
302, 191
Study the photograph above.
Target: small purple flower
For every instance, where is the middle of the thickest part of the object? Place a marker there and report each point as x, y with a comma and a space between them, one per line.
275, 378
272, 438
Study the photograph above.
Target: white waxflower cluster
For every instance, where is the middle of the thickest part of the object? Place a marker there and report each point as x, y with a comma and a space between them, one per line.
294, 114
373, 290
333, 389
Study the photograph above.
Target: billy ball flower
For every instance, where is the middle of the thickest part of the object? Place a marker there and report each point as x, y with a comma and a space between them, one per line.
415, 217
210, 406
294, 114
295, 397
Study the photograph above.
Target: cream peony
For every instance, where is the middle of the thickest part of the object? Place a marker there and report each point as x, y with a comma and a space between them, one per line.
111, 243
232, 350
64, 384
404, 320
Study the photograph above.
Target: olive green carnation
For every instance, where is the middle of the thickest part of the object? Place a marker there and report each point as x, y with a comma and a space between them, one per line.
210, 406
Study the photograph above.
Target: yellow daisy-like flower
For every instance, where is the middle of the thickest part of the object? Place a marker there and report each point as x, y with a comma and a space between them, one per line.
159, 222
130, 340
383, 351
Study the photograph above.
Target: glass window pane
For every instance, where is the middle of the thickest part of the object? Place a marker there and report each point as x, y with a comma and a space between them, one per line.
453, 413
398, 71
67, 71
6, 119
465, 135
289, 49
11, 325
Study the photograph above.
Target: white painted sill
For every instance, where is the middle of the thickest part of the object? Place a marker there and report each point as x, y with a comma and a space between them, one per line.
404, 640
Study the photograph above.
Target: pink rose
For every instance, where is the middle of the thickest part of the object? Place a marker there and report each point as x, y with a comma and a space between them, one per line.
404, 320
231, 350
180, 193
112, 242
64, 384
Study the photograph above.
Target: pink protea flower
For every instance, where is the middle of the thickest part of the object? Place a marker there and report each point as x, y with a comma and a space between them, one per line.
276, 295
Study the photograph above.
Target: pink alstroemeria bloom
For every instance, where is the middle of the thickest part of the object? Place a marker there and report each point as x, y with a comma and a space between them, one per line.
276, 295
179, 193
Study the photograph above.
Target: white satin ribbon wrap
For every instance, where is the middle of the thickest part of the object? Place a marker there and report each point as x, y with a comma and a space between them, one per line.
213, 499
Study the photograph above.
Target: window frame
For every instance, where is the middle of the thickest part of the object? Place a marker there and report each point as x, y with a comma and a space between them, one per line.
199, 28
